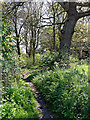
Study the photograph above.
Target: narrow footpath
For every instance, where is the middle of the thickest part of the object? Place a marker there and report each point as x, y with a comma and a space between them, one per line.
42, 105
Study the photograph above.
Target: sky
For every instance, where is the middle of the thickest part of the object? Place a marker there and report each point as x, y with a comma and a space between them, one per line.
46, 0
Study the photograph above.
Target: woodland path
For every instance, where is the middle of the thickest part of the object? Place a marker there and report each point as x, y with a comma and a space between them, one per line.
42, 105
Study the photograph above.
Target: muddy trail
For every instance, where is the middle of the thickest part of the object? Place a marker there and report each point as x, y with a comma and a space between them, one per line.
42, 105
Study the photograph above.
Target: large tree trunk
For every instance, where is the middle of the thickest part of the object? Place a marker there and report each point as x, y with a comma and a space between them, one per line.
66, 37
67, 33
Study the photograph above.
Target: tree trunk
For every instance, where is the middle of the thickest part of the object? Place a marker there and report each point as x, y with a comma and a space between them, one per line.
68, 29
66, 37
33, 56
26, 49
26, 43
30, 51
18, 46
34, 39
54, 30
17, 34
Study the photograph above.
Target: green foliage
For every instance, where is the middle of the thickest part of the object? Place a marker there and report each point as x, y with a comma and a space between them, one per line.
26, 61
19, 101
7, 44
80, 39
17, 98
8, 53
9, 65
46, 41
48, 59
66, 91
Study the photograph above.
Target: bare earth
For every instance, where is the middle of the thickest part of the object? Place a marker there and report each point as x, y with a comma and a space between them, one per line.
42, 105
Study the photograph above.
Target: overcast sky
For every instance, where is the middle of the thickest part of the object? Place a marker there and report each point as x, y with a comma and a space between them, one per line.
45, 0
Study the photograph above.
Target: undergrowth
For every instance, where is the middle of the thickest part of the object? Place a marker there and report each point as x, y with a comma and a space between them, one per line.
18, 101
66, 90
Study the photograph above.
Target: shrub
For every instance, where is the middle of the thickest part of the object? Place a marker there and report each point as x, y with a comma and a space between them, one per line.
26, 61
48, 59
19, 101
66, 91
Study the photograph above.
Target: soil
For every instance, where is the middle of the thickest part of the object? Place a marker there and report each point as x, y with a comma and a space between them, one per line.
42, 105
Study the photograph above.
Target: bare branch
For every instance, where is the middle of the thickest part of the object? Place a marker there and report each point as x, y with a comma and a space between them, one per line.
85, 4
83, 14
17, 4
65, 5
23, 24
51, 24
61, 12
47, 18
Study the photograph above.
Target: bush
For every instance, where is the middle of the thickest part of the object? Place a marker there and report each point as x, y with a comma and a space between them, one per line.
66, 91
26, 61
48, 59
19, 101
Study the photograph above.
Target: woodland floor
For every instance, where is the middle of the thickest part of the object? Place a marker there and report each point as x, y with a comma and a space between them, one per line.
42, 105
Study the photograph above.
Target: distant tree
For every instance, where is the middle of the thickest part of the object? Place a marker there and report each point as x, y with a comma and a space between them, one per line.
12, 8
53, 24
18, 24
31, 29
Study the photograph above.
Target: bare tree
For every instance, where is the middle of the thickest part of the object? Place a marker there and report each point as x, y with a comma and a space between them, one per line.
34, 12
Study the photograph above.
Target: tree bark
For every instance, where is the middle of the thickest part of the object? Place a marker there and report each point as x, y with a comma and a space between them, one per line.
33, 56
53, 29
18, 46
26, 43
17, 34
34, 39
31, 41
26, 50
68, 29
67, 33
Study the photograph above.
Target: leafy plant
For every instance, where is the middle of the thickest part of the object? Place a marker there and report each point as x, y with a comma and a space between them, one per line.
19, 102
66, 91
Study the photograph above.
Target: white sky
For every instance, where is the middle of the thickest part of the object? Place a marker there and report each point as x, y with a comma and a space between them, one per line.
46, 0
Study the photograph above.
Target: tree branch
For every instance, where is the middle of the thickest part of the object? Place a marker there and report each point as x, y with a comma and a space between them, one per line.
47, 18
51, 24
23, 24
17, 4
85, 4
65, 5
83, 14
60, 12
